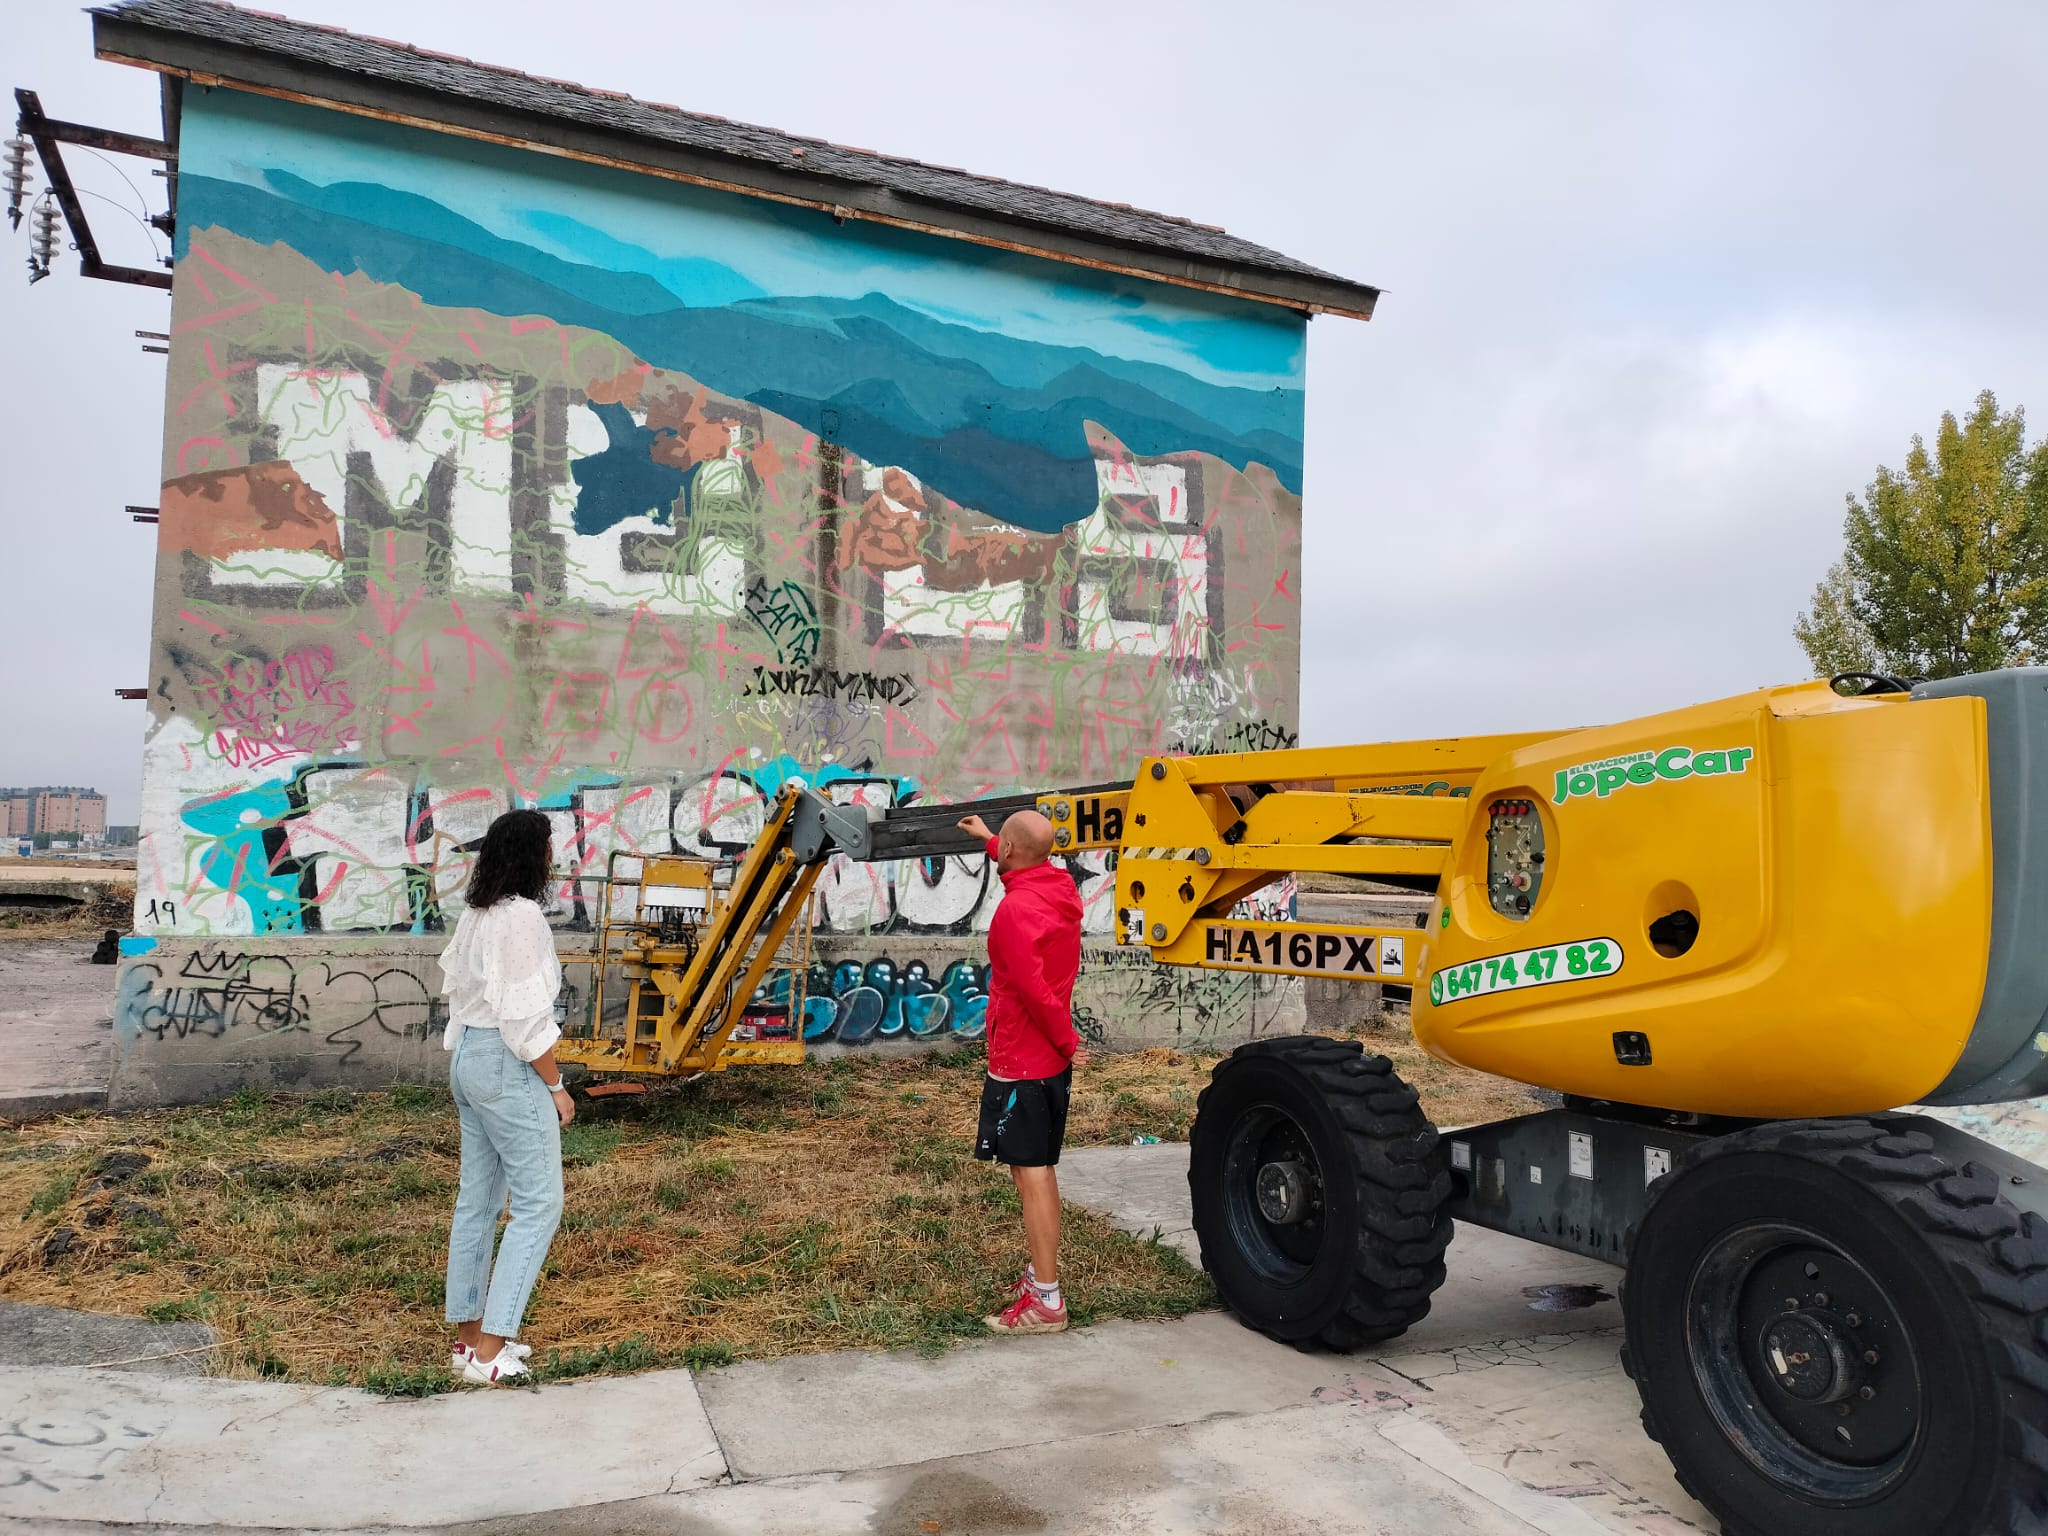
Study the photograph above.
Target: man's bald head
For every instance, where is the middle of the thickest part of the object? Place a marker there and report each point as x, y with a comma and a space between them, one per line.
1026, 839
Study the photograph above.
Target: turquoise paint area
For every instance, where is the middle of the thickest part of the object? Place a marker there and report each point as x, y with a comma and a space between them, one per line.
973, 369
854, 1003
771, 775
137, 944
235, 857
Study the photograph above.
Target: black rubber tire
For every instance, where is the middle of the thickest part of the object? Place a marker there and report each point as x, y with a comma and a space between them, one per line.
1966, 1271
1383, 1185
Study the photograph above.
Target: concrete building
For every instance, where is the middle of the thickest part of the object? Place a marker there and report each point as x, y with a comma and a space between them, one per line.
65, 808
527, 444
83, 812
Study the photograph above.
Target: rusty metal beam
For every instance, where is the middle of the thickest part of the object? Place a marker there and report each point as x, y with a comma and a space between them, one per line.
47, 135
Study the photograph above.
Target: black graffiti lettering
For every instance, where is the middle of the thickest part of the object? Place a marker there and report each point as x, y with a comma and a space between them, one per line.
788, 617
397, 1002
828, 683
220, 991
1260, 736
1244, 736
216, 990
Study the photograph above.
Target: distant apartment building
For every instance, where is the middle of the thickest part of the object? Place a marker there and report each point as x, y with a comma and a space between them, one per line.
55, 808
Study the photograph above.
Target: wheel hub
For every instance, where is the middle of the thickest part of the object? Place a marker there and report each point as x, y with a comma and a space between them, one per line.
1282, 1192
1806, 1358
1806, 1361
1274, 1190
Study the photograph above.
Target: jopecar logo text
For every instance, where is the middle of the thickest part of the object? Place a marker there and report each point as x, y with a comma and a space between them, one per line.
1603, 778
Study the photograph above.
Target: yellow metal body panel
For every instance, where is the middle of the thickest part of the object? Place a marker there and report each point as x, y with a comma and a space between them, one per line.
1836, 854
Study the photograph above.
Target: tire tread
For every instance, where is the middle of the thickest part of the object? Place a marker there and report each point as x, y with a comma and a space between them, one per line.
1403, 1184
1997, 1257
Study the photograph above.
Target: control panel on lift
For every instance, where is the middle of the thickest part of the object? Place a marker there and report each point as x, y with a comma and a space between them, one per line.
1514, 857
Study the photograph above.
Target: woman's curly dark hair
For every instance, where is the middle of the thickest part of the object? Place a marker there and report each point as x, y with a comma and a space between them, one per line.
515, 860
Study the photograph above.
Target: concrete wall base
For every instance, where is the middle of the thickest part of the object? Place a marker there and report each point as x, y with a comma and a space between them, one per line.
196, 1020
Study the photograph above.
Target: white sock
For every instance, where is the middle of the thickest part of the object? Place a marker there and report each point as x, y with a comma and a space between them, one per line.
1048, 1295
1030, 1272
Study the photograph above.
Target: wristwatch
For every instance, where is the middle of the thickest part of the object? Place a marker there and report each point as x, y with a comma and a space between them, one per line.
554, 1087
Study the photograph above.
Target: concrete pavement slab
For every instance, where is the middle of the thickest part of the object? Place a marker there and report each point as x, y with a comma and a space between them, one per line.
1287, 1472
56, 1027
32, 1335
112, 1447
1308, 1470
1554, 1414
1142, 1190
1530, 1435
836, 1412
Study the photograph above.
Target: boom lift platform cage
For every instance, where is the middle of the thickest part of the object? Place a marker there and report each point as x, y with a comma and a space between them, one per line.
703, 962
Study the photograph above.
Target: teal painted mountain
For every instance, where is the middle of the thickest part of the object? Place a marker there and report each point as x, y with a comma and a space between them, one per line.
992, 421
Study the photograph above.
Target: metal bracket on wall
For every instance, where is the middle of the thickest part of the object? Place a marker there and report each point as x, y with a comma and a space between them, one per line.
47, 133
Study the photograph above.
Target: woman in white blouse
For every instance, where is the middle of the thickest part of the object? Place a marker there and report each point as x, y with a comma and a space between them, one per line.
500, 976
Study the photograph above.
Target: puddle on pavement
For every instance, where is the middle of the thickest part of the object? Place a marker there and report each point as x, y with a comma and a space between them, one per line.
1564, 1298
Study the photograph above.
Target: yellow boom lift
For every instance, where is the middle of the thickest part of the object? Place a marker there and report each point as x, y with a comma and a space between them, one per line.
1734, 937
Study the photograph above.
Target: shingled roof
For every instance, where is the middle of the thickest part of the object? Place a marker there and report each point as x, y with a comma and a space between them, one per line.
210, 43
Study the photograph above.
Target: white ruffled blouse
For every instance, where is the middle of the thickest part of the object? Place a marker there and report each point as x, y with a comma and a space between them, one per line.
500, 972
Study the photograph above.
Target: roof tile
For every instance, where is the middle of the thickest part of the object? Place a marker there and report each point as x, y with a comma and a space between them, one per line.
311, 46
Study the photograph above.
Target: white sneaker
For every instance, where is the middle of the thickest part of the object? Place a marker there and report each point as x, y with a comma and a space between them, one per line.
503, 1371
460, 1356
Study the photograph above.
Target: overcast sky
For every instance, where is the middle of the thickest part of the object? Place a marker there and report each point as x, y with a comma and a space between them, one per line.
1662, 283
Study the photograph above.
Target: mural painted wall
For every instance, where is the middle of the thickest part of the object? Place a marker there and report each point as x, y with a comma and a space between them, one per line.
491, 479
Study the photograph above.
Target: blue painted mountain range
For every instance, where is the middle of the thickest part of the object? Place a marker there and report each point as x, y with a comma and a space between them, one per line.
993, 421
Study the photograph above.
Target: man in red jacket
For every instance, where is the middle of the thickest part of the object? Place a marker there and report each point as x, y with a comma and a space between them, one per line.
1034, 954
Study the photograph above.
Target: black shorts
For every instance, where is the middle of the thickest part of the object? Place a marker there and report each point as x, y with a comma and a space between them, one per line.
1023, 1122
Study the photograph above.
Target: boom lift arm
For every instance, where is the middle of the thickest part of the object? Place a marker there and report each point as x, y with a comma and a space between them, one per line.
1734, 937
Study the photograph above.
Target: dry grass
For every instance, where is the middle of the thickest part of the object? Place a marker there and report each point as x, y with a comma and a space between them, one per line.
764, 1212
114, 909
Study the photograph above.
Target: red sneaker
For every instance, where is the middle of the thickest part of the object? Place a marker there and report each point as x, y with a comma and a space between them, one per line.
1027, 1314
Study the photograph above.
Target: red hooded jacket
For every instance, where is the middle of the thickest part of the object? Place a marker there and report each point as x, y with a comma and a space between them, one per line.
1034, 954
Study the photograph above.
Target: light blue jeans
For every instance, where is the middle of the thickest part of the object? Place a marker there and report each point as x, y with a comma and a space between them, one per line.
511, 1145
